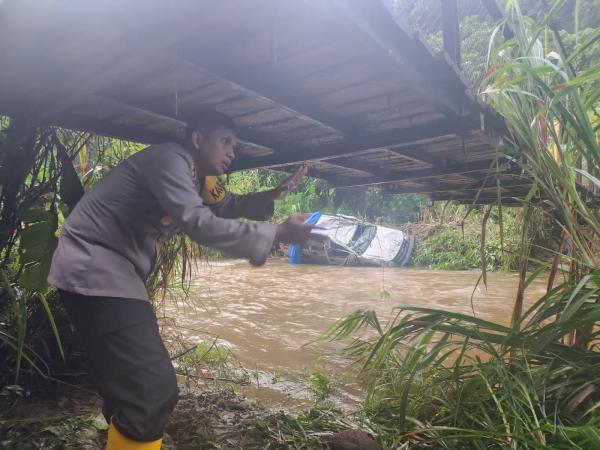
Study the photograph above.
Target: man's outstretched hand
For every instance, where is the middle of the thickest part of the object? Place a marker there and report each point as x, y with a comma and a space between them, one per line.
295, 231
290, 183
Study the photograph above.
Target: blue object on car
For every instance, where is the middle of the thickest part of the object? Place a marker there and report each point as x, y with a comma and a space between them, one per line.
295, 250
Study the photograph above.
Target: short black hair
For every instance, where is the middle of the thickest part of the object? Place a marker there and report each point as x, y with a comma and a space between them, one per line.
207, 120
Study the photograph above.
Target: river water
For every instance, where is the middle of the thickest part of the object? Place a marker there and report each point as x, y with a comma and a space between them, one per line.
265, 315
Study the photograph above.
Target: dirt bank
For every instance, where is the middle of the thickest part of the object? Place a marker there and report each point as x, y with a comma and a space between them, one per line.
70, 418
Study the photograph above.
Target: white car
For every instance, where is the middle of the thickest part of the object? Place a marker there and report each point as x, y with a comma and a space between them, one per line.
354, 242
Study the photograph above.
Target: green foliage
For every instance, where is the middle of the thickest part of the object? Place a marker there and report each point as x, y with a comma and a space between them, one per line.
59, 431
584, 13
548, 110
319, 385
29, 222
212, 361
376, 205
80, 427
474, 34
384, 295
174, 269
283, 431
438, 379
212, 355
314, 195
36, 247
448, 249
456, 247
588, 56
577, 20
40, 171
456, 381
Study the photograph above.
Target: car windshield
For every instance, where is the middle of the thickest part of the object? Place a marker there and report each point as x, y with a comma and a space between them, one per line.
363, 236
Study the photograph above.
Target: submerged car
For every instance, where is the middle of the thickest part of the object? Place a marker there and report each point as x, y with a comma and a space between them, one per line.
353, 242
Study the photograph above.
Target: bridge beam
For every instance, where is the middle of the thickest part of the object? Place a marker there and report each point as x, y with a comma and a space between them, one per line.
454, 169
363, 144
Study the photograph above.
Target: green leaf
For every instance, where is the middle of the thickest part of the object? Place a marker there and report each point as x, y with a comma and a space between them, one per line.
36, 235
36, 247
588, 175
33, 254
50, 316
71, 189
534, 275
31, 215
34, 275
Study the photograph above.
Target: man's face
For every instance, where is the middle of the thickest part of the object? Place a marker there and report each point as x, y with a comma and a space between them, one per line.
214, 151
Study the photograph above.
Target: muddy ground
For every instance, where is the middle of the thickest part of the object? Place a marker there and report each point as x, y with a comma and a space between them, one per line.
70, 419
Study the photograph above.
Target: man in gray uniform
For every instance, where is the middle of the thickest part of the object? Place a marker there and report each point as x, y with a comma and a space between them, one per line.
107, 249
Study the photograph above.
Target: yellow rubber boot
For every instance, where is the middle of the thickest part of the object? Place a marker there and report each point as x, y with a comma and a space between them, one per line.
116, 441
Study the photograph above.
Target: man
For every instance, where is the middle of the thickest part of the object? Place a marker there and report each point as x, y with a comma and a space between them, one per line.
107, 250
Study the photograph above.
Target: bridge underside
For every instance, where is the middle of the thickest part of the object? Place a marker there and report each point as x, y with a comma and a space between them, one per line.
340, 84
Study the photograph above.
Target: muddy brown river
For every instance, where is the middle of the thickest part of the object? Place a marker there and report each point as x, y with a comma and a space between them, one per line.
265, 315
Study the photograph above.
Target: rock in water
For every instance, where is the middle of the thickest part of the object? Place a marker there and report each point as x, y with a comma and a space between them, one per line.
353, 440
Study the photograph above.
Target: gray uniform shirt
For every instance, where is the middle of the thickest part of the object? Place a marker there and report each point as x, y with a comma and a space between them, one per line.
109, 241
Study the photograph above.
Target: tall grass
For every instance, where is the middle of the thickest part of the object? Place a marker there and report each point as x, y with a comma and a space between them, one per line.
438, 379
450, 379
550, 112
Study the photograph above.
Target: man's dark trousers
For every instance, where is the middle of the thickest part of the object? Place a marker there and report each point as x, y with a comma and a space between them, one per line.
128, 362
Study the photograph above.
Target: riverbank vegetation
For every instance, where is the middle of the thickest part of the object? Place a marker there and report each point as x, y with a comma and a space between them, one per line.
433, 379
444, 380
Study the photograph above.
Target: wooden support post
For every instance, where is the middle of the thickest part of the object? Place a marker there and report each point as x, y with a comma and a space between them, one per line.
451, 30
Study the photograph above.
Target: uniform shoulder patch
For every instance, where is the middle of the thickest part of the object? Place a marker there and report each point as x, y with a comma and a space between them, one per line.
212, 191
